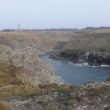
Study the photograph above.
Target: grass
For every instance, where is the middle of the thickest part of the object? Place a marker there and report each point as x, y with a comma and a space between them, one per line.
5, 106
40, 39
92, 42
50, 108
98, 39
101, 91
8, 74
17, 90
13, 81
47, 88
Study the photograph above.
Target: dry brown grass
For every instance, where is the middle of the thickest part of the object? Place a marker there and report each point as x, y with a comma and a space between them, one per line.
39, 39
17, 90
12, 81
89, 42
5, 106
24, 39
10, 74
82, 39
50, 108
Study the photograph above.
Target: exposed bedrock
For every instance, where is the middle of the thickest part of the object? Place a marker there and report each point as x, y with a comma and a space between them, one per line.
90, 57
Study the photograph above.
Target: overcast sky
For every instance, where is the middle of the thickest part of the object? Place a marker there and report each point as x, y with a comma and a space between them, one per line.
54, 13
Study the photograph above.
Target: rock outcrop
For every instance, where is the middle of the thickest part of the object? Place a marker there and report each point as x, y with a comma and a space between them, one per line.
38, 72
93, 49
90, 57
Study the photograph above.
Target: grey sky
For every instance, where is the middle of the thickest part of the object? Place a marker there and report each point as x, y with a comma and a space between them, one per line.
54, 13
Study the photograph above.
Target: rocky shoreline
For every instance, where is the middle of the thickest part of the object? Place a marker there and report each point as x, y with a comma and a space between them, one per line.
92, 58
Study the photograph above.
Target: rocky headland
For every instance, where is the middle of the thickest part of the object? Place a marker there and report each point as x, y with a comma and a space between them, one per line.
27, 83
93, 49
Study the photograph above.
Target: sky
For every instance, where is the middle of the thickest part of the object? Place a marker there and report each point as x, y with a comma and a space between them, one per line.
41, 14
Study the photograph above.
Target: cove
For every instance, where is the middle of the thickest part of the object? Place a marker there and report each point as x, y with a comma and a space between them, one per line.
77, 74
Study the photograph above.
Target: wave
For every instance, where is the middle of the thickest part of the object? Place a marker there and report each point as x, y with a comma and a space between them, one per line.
86, 64
105, 65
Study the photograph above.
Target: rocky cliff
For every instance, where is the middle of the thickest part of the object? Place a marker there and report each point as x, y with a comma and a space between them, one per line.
93, 49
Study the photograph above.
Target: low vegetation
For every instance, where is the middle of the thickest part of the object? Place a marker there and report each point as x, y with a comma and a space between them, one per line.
16, 92
89, 42
12, 81
5, 106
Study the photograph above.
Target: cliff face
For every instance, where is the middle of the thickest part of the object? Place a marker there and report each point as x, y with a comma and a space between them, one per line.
90, 57
36, 71
93, 49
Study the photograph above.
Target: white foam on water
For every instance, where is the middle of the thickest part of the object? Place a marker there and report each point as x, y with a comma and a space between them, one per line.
86, 64
105, 65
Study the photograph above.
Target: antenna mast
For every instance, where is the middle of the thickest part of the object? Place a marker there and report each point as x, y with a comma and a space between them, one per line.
18, 26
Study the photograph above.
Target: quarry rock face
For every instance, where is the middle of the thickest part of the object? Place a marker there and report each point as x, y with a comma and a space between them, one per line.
27, 58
